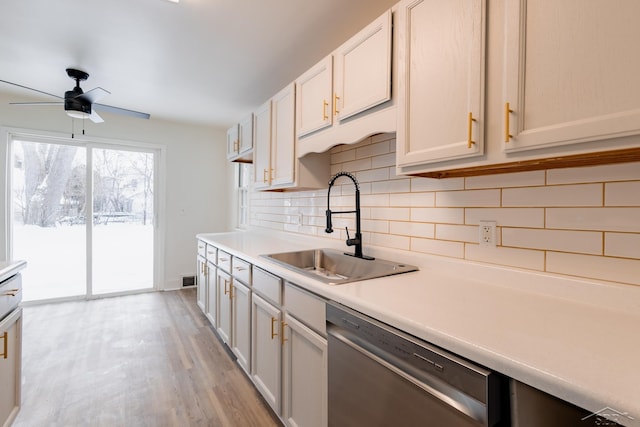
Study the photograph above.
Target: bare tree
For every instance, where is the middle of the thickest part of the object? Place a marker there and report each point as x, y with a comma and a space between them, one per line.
47, 169
143, 164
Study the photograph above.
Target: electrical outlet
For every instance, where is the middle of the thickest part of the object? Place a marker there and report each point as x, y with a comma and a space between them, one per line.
487, 234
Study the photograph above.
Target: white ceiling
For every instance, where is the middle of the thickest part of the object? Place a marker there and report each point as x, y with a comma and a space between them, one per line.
201, 61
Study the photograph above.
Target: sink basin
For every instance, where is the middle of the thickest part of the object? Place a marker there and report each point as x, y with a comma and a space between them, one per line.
334, 267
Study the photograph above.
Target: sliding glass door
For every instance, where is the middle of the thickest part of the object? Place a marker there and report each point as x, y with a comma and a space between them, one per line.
83, 218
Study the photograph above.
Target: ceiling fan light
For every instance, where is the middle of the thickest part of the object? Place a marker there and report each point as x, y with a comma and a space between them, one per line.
77, 114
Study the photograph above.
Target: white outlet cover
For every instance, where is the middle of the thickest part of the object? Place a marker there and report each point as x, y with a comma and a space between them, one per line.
487, 234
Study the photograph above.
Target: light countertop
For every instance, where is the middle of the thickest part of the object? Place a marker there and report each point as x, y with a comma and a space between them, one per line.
572, 338
9, 268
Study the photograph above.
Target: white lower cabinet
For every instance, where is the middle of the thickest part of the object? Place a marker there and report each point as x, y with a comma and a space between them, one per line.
266, 350
305, 376
201, 289
10, 366
240, 297
211, 293
224, 306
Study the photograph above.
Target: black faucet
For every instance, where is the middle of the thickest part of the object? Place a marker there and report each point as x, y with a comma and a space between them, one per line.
357, 240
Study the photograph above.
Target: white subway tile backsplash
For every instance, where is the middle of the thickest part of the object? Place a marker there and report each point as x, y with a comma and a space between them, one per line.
372, 150
431, 184
625, 245
580, 222
520, 179
512, 257
395, 186
605, 173
506, 217
438, 247
604, 219
596, 267
412, 199
622, 194
412, 229
459, 233
468, 198
585, 242
438, 215
560, 195
389, 241
392, 214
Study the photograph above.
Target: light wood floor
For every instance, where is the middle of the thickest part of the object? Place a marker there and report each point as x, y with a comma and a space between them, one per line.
142, 360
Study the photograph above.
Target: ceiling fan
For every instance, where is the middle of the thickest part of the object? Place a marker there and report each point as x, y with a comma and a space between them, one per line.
79, 104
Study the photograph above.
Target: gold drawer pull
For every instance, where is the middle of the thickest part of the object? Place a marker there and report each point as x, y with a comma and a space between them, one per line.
507, 112
335, 104
12, 292
5, 337
284, 324
273, 328
470, 141
325, 104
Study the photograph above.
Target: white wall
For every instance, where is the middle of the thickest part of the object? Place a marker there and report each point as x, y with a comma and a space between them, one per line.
198, 178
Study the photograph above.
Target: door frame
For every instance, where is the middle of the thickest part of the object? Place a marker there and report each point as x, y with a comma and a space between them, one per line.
8, 134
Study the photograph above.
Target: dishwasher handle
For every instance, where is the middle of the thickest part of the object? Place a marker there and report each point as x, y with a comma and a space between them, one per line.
437, 388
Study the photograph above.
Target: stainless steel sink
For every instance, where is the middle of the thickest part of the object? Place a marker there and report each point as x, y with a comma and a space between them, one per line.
334, 267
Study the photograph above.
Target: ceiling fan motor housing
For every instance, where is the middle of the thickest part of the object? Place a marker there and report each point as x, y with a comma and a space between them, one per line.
73, 103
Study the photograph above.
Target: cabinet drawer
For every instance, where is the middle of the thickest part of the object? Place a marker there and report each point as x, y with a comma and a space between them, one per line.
212, 254
267, 285
242, 270
202, 248
307, 308
224, 261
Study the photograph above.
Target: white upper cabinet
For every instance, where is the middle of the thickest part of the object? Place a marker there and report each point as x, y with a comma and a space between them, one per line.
354, 79
314, 102
569, 73
283, 138
362, 69
441, 83
240, 141
262, 145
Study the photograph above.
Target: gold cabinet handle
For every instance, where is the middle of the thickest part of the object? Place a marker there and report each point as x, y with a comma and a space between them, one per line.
205, 269
273, 327
507, 112
470, 141
226, 282
325, 104
335, 104
5, 352
264, 176
236, 145
282, 337
230, 292
11, 292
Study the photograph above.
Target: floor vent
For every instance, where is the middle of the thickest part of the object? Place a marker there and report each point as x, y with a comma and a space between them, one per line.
188, 281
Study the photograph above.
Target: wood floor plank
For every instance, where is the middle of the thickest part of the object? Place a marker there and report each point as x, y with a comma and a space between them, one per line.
141, 360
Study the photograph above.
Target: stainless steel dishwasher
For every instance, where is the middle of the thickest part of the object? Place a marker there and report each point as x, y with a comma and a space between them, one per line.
379, 376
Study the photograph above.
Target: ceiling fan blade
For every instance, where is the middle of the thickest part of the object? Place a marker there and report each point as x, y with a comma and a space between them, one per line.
37, 103
124, 111
94, 95
30, 88
95, 118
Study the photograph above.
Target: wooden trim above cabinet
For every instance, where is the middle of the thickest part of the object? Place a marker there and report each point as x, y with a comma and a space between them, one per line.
577, 160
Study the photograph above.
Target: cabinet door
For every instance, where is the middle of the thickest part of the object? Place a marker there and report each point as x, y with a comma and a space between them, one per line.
10, 366
224, 306
212, 294
305, 376
262, 145
313, 98
362, 69
201, 289
241, 323
245, 134
441, 80
283, 137
266, 350
569, 73
232, 142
